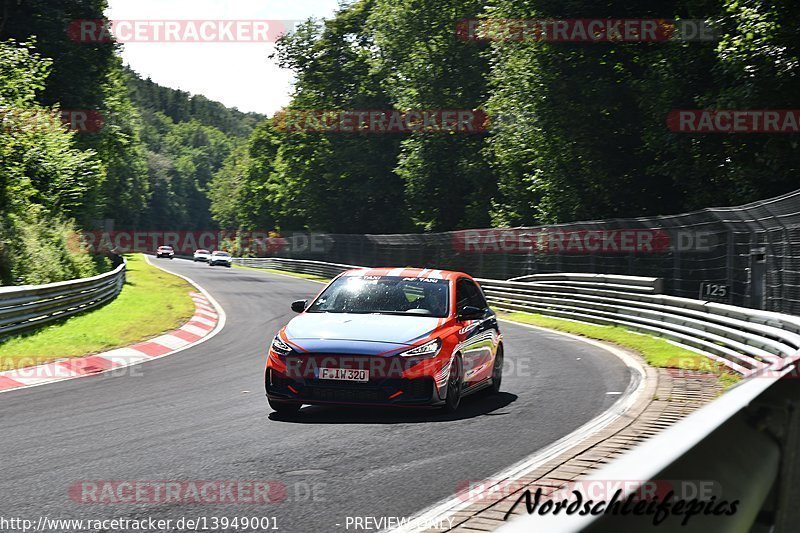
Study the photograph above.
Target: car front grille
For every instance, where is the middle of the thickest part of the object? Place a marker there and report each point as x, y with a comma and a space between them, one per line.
418, 390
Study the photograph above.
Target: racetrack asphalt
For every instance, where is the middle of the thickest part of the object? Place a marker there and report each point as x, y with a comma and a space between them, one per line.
201, 415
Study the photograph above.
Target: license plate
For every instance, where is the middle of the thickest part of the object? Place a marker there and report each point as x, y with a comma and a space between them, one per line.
344, 374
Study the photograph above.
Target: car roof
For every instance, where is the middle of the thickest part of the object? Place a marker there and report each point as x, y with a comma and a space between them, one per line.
407, 272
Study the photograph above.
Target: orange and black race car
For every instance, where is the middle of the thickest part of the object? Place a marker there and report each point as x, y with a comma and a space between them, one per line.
387, 336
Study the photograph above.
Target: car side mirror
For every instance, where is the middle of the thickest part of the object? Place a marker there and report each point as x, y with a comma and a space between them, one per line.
470, 312
298, 306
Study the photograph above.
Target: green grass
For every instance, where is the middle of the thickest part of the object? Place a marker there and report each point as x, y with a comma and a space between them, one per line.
151, 302
656, 352
285, 273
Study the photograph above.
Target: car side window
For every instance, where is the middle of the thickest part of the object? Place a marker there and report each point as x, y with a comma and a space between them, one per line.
477, 296
467, 293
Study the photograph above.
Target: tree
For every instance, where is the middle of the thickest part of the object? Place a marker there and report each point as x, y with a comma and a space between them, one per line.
447, 180
44, 178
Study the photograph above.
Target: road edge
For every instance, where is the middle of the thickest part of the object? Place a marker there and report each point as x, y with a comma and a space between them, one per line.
640, 384
208, 320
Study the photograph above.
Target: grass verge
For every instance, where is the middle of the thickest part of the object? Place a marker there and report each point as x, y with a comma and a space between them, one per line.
151, 302
285, 273
656, 352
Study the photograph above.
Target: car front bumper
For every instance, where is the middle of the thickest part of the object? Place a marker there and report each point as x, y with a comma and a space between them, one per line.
388, 391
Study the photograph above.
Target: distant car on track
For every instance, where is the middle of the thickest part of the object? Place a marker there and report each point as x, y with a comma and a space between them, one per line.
202, 255
165, 251
388, 336
220, 258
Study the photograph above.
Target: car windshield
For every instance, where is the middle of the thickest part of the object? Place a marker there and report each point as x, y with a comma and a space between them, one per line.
165, 248
391, 295
201, 252
222, 254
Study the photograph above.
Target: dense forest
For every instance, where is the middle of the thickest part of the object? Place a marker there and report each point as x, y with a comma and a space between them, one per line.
576, 130
147, 165
580, 128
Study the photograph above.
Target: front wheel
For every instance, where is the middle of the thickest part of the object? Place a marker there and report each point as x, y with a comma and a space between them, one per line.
497, 370
284, 407
455, 384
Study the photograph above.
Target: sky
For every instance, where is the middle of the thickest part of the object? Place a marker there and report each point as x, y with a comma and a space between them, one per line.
239, 75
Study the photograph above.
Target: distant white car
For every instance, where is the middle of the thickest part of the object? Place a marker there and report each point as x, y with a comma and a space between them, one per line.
202, 255
220, 258
165, 251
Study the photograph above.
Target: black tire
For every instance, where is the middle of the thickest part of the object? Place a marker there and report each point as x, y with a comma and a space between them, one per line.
497, 371
284, 407
455, 386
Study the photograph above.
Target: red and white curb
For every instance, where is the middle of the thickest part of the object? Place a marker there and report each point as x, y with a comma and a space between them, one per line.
208, 320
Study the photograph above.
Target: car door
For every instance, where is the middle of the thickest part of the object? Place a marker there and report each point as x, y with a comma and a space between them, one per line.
478, 336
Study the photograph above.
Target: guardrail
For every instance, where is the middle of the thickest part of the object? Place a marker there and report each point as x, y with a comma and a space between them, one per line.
298, 266
747, 441
30, 306
641, 284
745, 340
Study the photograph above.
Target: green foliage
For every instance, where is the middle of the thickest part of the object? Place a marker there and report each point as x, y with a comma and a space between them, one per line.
180, 106
44, 178
447, 180
588, 138
188, 140
579, 129
142, 169
343, 182
37, 249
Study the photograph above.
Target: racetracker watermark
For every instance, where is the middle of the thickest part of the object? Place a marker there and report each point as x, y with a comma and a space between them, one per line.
308, 367
94, 31
492, 490
255, 243
734, 121
204, 492
78, 120
591, 30
31, 368
558, 241
381, 121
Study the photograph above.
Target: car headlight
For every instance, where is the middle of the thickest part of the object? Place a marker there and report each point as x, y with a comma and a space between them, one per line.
430, 349
280, 347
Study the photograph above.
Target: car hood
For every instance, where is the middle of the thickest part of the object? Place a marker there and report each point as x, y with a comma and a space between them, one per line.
357, 332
